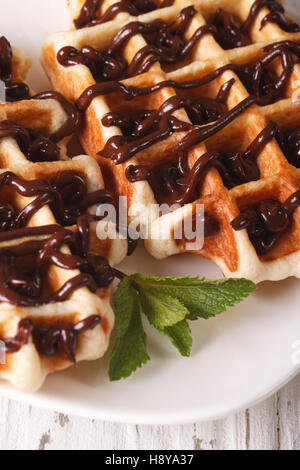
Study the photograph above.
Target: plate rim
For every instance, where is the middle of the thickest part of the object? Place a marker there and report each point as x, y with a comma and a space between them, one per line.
149, 419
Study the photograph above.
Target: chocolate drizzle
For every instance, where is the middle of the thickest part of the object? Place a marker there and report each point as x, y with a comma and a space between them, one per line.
23, 284
276, 15
88, 13
36, 146
73, 120
15, 91
290, 145
122, 148
68, 198
176, 183
150, 127
259, 80
263, 88
26, 289
66, 194
229, 35
165, 42
267, 221
241, 167
102, 65
24, 266
50, 339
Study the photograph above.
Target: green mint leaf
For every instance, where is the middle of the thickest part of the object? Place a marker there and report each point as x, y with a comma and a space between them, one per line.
180, 335
167, 314
203, 298
161, 309
130, 351
168, 303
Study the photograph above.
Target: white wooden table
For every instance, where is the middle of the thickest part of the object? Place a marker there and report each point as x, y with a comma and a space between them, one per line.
272, 425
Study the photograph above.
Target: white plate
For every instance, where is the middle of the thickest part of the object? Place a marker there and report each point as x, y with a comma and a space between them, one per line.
238, 358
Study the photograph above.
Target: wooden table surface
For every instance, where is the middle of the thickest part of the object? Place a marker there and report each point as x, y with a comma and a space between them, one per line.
271, 425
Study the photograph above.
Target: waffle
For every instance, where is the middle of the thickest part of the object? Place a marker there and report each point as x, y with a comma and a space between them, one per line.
46, 326
232, 250
106, 10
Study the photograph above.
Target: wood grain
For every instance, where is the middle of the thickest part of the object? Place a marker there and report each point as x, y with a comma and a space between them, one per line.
272, 425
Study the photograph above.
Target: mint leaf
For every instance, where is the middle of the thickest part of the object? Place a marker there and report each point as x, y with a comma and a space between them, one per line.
162, 310
130, 351
203, 298
180, 335
167, 315
168, 303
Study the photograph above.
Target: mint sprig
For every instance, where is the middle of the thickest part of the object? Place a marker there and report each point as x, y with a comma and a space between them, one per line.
167, 303
130, 350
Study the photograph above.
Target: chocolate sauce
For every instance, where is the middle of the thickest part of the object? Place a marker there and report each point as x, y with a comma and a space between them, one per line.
66, 194
40, 147
25, 287
50, 339
205, 110
64, 187
36, 146
68, 198
279, 18
176, 183
73, 120
258, 79
103, 66
242, 167
165, 42
15, 91
264, 88
29, 232
290, 145
161, 125
128, 93
88, 14
267, 221
230, 35
201, 111
142, 129
119, 148
234, 169
276, 15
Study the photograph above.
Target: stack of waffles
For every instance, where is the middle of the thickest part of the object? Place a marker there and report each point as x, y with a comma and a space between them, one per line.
81, 65
55, 281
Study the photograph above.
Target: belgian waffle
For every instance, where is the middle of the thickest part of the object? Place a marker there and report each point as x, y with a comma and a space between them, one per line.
250, 67
55, 280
